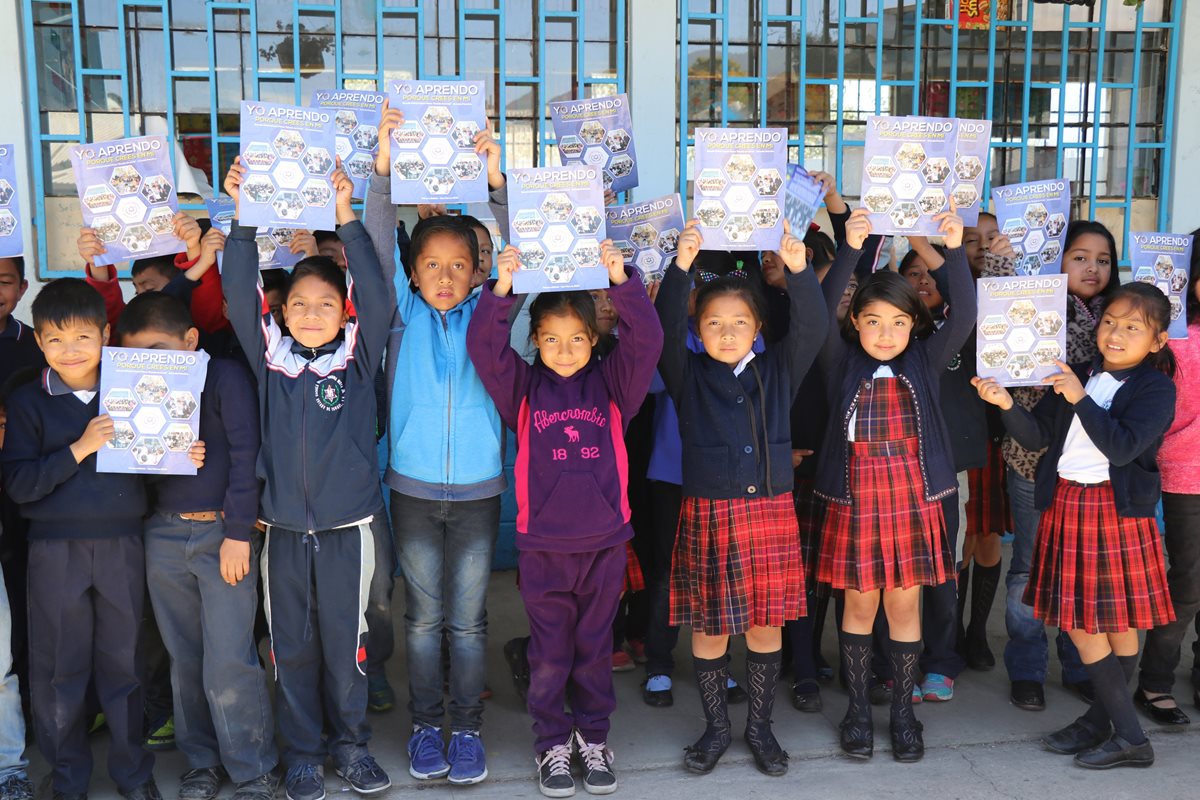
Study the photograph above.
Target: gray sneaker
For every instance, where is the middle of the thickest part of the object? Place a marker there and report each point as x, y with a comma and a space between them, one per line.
261, 788
597, 759
554, 772
201, 784
16, 787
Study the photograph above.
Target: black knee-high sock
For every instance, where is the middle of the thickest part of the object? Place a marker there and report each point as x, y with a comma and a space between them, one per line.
1112, 693
904, 672
712, 674
856, 661
1097, 715
762, 676
818, 631
964, 578
984, 581
800, 634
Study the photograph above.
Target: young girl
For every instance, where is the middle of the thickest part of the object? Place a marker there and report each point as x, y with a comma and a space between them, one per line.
737, 564
569, 409
884, 530
1089, 262
1179, 460
1097, 568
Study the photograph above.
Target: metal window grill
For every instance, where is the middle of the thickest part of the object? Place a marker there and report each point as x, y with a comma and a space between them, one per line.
105, 69
1075, 92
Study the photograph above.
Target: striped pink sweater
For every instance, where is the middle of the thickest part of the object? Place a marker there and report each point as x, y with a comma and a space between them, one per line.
1179, 457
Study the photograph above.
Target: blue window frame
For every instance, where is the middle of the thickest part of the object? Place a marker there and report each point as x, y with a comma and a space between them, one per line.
104, 69
1075, 92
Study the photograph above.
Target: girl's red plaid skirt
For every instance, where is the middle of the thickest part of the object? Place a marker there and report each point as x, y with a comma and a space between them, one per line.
1094, 570
810, 514
987, 499
635, 579
737, 565
889, 536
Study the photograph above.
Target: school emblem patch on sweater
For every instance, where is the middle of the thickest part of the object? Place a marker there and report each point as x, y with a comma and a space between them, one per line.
330, 393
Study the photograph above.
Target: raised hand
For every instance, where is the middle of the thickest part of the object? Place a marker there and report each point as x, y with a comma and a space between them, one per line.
303, 243
992, 392
343, 187
690, 243
187, 230
950, 225
487, 146
1066, 384
233, 182
614, 262
99, 431
858, 228
506, 266
89, 245
792, 250
392, 118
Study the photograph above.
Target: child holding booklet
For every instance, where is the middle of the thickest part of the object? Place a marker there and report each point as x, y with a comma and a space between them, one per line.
321, 489
573, 512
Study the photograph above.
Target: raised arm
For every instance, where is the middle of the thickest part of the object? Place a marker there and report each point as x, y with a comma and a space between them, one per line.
629, 368
808, 317
833, 348
503, 373
948, 340
672, 307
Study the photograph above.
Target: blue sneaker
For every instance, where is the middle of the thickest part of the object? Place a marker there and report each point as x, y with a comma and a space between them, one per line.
426, 758
937, 688
468, 764
305, 782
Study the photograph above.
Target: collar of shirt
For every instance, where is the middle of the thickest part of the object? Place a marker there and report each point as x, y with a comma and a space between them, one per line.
12, 329
741, 365
1119, 374
55, 385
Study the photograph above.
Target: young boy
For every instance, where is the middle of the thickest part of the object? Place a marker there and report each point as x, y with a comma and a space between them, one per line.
86, 561
317, 411
201, 568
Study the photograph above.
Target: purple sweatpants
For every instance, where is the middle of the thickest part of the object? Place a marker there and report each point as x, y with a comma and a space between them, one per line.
571, 600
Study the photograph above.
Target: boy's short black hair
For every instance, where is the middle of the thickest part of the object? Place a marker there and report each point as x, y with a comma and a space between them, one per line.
18, 262
326, 236
322, 268
163, 265
68, 300
276, 280
15, 381
429, 227
154, 311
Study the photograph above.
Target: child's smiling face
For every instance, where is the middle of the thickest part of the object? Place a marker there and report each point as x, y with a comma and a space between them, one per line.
883, 330
73, 351
442, 271
314, 311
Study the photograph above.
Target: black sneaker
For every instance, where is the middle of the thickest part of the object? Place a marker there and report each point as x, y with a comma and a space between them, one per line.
365, 776
597, 759
147, 791
305, 782
261, 788
1117, 752
201, 784
554, 772
1028, 695
16, 787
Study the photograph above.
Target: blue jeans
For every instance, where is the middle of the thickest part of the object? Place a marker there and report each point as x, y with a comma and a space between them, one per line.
220, 698
12, 721
1026, 655
445, 552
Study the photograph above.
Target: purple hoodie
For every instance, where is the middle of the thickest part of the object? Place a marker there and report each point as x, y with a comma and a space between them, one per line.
571, 471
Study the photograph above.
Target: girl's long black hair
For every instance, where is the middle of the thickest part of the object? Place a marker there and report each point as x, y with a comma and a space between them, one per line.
888, 287
1149, 301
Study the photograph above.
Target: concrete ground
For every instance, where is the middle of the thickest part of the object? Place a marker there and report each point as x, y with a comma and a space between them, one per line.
978, 745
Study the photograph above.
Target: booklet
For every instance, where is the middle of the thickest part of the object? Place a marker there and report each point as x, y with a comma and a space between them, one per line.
556, 220
289, 151
356, 116
647, 234
153, 397
127, 194
598, 131
433, 152
272, 243
738, 195
802, 198
1021, 330
11, 242
912, 166
1165, 259
1034, 217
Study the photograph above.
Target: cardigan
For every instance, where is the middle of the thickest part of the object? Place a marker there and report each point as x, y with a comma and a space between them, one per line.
1179, 456
1128, 433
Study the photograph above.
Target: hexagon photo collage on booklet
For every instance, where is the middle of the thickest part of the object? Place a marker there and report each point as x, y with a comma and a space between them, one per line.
1022, 328
289, 152
433, 152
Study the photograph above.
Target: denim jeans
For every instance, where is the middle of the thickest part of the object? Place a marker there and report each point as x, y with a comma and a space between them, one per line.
1161, 654
1026, 655
222, 709
12, 721
445, 549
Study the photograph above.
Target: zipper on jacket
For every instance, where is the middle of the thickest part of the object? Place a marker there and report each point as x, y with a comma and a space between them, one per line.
308, 515
449, 400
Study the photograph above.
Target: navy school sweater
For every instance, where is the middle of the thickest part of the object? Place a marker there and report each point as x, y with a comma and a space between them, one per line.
63, 499
736, 429
847, 368
572, 472
229, 429
1128, 433
18, 349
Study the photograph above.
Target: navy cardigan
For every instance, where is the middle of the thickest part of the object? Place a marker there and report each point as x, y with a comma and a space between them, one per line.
847, 368
1128, 433
736, 431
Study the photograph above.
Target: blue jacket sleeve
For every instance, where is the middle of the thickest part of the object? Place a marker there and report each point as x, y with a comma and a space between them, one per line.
808, 325
503, 373
248, 312
630, 367
1143, 421
947, 341
672, 305
1034, 429
368, 291
30, 474
833, 347
238, 408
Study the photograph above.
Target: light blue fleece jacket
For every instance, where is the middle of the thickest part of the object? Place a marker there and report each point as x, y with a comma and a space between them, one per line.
444, 433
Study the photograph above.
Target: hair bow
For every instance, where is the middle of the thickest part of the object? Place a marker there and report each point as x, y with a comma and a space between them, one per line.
704, 276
